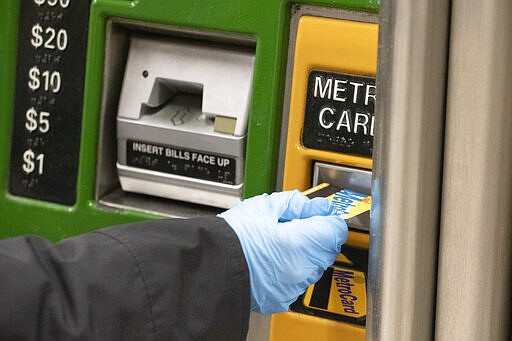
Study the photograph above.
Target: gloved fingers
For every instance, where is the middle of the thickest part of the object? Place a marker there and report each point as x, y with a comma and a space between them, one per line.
302, 276
295, 205
317, 206
317, 235
291, 284
282, 206
291, 288
287, 205
312, 275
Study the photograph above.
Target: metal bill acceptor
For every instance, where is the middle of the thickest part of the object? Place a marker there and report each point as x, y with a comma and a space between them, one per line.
182, 120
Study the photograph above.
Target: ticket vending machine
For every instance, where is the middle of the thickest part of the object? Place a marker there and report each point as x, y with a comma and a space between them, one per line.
116, 111
328, 139
104, 121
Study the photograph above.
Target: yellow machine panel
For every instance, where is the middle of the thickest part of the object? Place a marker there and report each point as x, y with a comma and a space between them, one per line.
330, 122
287, 326
333, 308
325, 44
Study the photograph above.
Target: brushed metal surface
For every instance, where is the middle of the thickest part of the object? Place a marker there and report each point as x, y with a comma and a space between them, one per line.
406, 186
355, 179
474, 285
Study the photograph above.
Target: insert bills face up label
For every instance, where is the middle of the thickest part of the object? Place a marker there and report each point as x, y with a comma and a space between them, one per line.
179, 161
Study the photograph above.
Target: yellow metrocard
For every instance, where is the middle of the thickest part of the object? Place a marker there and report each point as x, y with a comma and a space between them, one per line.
349, 204
341, 291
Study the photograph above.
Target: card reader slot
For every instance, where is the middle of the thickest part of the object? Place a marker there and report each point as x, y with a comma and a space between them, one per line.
336, 178
355, 179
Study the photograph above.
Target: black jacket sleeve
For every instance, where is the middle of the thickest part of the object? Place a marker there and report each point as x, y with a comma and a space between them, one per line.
157, 280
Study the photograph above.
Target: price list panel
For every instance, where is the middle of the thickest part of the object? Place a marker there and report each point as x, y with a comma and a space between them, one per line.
50, 71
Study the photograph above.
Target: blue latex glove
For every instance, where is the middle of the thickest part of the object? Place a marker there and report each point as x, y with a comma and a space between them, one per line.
288, 241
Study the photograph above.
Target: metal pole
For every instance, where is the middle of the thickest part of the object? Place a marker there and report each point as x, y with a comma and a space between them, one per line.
407, 167
475, 258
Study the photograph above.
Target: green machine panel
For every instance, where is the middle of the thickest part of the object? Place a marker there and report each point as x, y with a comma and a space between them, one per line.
73, 158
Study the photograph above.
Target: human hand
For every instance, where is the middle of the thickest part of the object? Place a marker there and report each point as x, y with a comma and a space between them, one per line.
288, 241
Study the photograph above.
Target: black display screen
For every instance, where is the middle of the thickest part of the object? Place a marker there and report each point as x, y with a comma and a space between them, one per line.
339, 114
